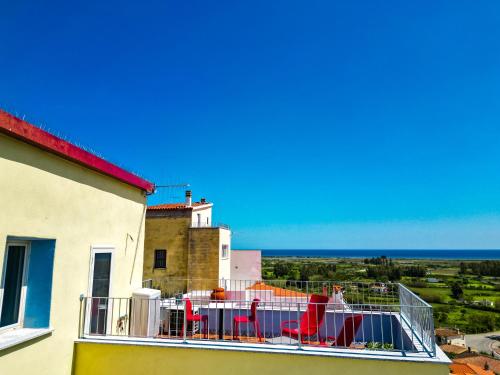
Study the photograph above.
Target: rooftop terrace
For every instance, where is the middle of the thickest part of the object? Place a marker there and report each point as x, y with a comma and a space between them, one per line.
355, 320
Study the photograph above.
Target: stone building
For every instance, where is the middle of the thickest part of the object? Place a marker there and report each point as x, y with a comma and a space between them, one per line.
182, 243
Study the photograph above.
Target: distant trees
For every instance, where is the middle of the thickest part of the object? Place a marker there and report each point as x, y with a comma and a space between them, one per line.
282, 269
463, 268
414, 271
380, 261
482, 323
457, 291
485, 268
384, 272
383, 268
304, 271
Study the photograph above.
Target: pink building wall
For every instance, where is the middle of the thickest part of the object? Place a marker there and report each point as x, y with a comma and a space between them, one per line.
246, 265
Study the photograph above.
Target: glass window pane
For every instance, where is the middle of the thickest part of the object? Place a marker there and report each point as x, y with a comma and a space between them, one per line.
12, 285
102, 269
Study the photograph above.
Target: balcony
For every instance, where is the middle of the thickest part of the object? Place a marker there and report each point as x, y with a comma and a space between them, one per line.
354, 320
195, 224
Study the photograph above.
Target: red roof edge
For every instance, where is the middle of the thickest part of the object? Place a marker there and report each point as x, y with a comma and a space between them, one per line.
29, 133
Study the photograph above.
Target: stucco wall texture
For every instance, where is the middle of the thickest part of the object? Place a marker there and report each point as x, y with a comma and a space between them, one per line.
48, 197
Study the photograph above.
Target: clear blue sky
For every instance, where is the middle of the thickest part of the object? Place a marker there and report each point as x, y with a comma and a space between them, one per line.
331, 124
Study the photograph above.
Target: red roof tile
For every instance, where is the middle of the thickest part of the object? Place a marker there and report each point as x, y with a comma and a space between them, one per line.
177, 206
468, 369
480, 360
278, 292
26, 132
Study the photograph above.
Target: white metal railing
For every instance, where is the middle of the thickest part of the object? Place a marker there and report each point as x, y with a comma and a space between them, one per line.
417, 314
397, 321
201, 224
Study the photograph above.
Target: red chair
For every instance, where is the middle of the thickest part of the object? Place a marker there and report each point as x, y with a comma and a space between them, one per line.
252, 318
348, 331
310, 321
190, 317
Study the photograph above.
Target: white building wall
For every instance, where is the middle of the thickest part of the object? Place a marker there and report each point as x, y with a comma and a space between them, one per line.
203, 216
225, 262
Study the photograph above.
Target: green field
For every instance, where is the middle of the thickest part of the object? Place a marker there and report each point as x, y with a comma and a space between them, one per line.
476, 308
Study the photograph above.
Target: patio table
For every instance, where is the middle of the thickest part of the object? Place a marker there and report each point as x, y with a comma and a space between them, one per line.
220, 307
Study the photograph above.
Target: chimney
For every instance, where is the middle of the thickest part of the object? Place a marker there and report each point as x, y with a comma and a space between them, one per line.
203, 201
189, 196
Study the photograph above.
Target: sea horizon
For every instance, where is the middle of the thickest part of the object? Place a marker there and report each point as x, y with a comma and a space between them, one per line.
438, 254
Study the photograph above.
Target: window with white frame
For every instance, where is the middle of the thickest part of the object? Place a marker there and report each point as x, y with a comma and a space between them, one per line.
26, 284
225, 251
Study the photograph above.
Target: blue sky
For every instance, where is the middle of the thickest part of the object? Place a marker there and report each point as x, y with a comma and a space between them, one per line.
319, 124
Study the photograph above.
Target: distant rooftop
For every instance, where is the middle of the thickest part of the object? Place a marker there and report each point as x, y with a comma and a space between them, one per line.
178, 206
447, 332
453, 349
468, 369
188, 204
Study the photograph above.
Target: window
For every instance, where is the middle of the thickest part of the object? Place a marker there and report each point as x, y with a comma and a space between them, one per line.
100, 285
26, 284
160, 258
225, 251
13, 283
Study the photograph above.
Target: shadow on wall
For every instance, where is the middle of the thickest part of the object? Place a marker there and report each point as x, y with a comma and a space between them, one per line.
20, 152
23, 345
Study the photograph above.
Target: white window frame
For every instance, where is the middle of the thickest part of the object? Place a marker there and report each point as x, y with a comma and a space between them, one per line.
222, 255
99, 249
24, 283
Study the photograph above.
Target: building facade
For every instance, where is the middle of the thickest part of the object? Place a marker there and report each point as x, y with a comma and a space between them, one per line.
246, 265
183, 246
72, 224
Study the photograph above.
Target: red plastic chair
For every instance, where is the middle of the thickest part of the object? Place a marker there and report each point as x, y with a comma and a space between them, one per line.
310, 321
190, 317
348, 331
252, 318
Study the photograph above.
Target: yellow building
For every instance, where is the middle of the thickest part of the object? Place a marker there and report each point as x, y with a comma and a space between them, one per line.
71, 224
183, 246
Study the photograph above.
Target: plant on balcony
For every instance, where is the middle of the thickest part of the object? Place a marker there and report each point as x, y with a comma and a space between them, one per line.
380, 345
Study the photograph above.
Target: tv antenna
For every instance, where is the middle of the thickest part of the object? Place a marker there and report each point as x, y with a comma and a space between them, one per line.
172, 193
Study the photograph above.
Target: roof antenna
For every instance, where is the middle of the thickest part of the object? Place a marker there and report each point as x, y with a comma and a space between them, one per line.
171, 193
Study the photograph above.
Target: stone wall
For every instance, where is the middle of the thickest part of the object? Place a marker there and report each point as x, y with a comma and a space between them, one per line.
171, 234
203, 259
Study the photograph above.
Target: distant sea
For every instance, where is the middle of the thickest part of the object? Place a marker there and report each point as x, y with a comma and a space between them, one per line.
470, 254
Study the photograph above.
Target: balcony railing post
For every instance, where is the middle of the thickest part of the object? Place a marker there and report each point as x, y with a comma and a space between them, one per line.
184, 325
299, 336
80, 328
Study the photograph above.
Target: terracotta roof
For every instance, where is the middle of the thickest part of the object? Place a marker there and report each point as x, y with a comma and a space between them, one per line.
453, 349
177, 206
447, 332
278, 292
468, 369
480, 360
26, 132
